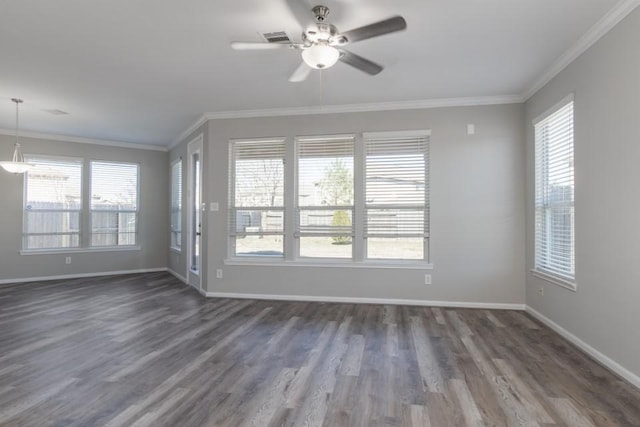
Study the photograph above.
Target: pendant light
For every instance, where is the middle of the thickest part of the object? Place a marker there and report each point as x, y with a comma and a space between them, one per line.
17, 165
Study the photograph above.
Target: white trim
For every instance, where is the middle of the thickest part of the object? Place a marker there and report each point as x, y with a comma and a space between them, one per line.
188, 131
572, 286
595, 33
82, 275
185, 281
347, 108
83, 140
329, 264
367, 107
589, 350
80, 250
551, 110
177, 275
397, 134
196, 145
357, 300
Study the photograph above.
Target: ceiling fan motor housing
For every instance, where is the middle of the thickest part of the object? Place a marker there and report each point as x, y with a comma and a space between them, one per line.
321, 13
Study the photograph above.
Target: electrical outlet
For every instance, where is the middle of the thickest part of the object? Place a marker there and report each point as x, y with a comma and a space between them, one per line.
427, 279
541, 291
219, 273
67, 260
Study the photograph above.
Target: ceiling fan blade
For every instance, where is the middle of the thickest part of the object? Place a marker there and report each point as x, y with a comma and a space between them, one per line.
391, 25
301, 10
360, 63
301, 73
261, 46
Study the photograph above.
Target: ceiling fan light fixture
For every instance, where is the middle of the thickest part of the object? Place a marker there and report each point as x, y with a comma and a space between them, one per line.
17, 164
320, 56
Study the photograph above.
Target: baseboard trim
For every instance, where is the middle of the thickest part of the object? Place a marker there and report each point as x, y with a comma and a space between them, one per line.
81, 275
589, 350
185, 281
177, 276
354, 300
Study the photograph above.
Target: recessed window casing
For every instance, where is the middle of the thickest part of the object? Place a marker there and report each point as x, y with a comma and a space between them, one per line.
176, 205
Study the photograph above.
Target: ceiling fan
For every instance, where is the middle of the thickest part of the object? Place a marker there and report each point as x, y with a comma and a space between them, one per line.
322, 43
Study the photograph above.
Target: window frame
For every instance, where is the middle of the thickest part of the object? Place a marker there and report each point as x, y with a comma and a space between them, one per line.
565, 281
297, 234
81, 214
91, 211
232, 233
426, 208
175, 243
291, 242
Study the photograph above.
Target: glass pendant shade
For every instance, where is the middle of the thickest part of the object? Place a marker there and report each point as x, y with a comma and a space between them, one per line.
17, 164
320, 56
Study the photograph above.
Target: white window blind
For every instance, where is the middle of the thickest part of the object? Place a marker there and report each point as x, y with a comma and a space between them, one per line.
325, 209
554, 194
256, 214
52, 203
176, 204
114, 203
397, 196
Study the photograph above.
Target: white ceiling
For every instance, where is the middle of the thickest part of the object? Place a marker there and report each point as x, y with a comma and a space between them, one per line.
143, 71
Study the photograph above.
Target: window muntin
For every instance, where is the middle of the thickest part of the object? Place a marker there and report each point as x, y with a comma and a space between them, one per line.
396, 196
52, 203
325, 199
176, 205
114, 204
256, 214
554, 194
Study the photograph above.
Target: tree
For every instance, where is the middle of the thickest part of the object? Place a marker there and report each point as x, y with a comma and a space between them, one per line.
337, 184
337, 190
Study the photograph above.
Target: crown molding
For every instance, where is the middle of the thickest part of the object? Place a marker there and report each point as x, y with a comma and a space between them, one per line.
188, 131
347, 108
367, 107
83, 140
595, 33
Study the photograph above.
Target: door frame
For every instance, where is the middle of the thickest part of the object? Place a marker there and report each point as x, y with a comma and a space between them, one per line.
194, 146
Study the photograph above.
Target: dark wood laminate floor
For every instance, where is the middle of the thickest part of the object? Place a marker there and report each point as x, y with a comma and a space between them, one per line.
147, 350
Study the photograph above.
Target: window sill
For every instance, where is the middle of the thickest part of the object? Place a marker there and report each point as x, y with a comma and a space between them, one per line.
175, 250
78, 250
572, 286
330, 264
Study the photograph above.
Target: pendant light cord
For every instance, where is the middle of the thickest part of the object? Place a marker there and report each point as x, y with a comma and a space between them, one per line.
17, 154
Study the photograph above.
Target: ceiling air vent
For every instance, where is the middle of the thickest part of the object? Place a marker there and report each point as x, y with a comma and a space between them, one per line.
276, 37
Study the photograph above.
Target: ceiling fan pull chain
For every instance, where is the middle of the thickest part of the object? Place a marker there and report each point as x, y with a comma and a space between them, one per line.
321, 88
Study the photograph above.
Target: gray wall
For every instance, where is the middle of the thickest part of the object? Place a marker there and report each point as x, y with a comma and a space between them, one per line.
477, 190
604, 310
154, 182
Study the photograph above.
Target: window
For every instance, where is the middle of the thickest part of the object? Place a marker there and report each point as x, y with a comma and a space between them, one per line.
176, 205
554, 195
53, 203
325, 208
114, 204
257, 197
396, 196
345, 198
